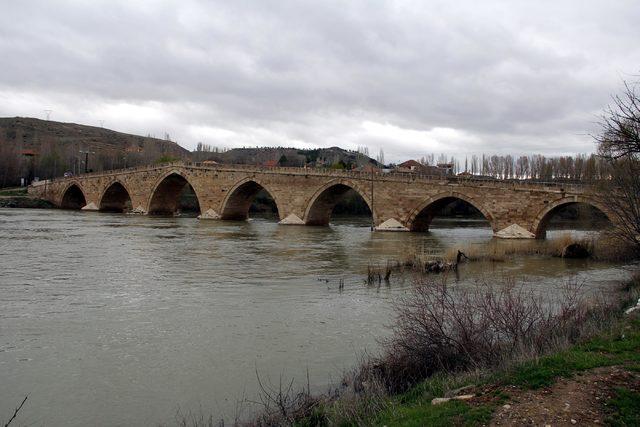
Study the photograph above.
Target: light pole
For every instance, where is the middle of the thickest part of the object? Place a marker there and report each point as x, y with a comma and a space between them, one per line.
86, 159
373, 221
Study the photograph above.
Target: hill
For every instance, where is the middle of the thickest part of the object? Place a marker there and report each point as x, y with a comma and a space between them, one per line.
282, 156
44, 149
31, 147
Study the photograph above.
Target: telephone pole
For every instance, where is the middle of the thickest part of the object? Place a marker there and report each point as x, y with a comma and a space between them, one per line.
86, 159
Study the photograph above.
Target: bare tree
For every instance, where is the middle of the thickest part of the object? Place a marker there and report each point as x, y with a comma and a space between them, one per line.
620, 136
619, 143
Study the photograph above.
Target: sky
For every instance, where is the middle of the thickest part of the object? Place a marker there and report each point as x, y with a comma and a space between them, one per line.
408, 77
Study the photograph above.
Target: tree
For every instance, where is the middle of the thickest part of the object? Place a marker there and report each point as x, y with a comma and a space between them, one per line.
620, 136
619, 143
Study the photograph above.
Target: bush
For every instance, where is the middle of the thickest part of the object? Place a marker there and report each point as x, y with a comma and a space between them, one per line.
443, 329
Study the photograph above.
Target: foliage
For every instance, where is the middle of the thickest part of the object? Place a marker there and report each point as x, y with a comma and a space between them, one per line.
624, 408
166, 159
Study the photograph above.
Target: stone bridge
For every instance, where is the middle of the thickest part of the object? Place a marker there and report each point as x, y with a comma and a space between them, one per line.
399, 202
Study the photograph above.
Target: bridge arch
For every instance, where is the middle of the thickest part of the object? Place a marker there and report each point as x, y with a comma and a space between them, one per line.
115, 198
420, 218
73, 197
237, 202
166, 193
321, 204
541, 221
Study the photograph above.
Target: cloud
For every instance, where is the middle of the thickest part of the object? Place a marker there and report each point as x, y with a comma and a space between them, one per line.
407, 76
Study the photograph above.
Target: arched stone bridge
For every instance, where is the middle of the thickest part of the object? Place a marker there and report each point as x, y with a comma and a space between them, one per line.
403, 202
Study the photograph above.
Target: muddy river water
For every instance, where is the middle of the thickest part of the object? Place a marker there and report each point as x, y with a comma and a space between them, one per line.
111, 319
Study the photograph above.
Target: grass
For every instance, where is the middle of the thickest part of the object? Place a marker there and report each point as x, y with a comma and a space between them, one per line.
414, 407
12, 192
614, 348
624, 408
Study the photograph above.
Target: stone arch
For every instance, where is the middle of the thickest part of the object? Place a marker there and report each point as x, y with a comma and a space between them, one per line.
165, 196
321, 204
115, 198
73, 197
541, 221
237, 202
420, 218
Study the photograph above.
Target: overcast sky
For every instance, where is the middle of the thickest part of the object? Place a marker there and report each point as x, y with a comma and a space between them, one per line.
455, 77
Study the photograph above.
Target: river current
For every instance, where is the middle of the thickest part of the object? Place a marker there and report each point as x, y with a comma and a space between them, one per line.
110, 319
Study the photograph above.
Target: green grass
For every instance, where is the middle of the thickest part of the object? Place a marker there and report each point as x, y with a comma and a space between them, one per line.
624, 408
13, 192
621, 347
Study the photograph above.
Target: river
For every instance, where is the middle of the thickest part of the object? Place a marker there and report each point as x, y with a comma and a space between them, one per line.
110, 319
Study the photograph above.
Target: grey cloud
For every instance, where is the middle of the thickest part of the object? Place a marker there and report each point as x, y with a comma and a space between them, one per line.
517, 76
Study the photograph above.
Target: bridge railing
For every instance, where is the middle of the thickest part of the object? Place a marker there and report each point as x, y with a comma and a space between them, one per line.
571, 186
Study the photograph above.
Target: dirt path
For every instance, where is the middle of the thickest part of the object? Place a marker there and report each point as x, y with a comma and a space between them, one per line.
577, 401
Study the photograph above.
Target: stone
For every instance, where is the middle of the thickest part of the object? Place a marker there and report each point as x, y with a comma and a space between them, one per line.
209, 214
511, 207
514, 231
90, 207
465, 397
439, 400
391, 224
633, 308
292, 219
138, 211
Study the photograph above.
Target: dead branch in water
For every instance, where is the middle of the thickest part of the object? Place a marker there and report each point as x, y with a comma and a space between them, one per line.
15, 413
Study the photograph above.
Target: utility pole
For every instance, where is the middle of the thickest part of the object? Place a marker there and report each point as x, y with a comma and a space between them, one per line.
373, 221
86, 159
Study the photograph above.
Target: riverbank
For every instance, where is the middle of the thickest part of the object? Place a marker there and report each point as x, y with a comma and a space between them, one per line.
589, 373
18, 198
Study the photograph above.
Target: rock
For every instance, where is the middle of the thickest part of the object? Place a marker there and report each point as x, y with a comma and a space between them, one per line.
634, 308
575, 250
573, 421
139, 210
209, 214
507, 406
439, 400
292, 219
391, 224
514, 231
465, 397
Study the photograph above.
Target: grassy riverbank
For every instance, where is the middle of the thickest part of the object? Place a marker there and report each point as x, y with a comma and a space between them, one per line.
494, 393
485, 360
18, 198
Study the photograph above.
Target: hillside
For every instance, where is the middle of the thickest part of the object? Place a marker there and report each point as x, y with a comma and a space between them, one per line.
281, 156
31, 147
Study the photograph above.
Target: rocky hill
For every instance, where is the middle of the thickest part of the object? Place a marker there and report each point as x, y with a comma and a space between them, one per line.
282, 156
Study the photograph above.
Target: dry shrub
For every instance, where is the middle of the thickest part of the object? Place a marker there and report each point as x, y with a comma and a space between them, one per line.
443, 329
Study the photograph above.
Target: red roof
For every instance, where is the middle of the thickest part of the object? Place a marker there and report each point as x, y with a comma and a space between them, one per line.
409, 164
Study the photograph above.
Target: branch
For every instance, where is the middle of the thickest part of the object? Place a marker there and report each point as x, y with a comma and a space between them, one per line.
15, 413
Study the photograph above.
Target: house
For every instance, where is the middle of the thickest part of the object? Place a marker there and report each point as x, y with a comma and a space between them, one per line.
410, 166
413, 166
